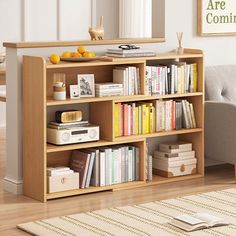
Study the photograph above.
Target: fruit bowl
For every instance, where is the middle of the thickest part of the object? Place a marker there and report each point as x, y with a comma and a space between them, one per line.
83, 59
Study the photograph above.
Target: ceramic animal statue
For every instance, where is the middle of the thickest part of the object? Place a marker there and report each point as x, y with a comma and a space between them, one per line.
97, 33
180, 49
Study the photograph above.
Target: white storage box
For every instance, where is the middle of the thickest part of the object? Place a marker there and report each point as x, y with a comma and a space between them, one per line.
169, 168
63, 182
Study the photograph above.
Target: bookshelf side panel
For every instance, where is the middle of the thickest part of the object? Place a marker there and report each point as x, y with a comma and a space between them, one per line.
34, 127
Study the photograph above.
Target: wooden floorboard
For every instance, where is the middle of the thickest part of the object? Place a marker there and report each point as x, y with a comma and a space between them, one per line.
20, 209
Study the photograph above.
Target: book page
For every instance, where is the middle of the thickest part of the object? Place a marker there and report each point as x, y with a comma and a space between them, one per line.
210, 219
190, 219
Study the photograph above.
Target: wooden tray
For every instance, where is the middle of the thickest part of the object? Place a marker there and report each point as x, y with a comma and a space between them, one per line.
85, 59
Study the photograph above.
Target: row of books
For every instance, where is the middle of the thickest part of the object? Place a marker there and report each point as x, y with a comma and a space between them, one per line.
174, 115
128, 76
106, 166
147, 117
171, 79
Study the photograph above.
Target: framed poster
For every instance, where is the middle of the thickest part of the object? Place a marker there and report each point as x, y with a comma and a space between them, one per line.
216, 17
86, 85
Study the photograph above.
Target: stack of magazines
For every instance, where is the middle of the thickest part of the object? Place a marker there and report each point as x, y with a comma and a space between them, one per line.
130, 53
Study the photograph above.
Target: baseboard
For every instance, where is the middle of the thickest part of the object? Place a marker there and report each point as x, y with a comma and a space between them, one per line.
12, 186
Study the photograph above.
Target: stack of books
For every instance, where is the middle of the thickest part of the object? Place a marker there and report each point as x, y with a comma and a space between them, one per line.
174, 159
106, 166
56, 125
130, 53
109, 89
146, 117
59, 171
171, 79
129, 78
175, 150
174, 115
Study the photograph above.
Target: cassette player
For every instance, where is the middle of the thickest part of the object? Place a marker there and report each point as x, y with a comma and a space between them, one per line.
71, 135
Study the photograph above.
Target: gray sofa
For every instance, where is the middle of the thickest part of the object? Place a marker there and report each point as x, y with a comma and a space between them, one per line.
220, 113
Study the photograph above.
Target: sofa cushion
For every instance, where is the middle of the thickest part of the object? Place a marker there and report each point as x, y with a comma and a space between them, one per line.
221, 83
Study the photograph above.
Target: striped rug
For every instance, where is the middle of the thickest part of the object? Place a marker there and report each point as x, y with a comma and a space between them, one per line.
150, 219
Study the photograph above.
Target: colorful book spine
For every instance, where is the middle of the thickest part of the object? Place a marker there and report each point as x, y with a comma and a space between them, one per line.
117, 121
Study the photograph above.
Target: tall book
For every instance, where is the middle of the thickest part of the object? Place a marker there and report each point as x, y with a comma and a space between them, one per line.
95, 178
90, 168
80, 163
120, 75
102, 165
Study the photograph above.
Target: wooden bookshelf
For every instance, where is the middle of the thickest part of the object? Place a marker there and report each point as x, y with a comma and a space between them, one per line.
37, 103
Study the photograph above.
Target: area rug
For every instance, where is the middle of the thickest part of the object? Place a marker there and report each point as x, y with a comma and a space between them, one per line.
149, 219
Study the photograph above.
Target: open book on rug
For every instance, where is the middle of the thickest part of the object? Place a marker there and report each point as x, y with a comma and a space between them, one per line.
197, 221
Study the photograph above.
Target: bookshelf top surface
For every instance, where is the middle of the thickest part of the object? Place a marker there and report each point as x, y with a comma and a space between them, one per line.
136, 60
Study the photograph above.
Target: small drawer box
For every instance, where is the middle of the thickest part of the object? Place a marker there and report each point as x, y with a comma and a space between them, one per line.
63, 182
168, 168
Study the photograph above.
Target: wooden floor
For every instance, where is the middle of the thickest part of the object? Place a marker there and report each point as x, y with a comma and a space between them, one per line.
19, 209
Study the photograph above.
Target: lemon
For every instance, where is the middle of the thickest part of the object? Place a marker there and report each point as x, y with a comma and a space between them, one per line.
75, 54
81, 49
89, 54
54, 59
65, 54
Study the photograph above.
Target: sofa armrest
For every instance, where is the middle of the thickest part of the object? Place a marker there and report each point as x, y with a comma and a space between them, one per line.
220, 131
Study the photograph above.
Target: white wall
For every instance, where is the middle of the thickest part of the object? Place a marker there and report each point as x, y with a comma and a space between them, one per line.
68, 20
181, 15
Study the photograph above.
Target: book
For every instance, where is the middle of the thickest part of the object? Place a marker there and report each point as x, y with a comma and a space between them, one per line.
193, 115
108, 85
120, 75
141, 54
95, 178
187, 154
175, 145
52, 170
102, 165
129, 52
80, 163
197, 221
109, 93
90, 168
60, 173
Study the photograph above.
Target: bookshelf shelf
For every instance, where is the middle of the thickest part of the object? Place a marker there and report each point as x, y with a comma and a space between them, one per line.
51, 102
159, 134
163, 180
54, 148
39, 107
128, 185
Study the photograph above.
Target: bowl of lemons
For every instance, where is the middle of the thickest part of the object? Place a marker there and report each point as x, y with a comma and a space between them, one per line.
80, 55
